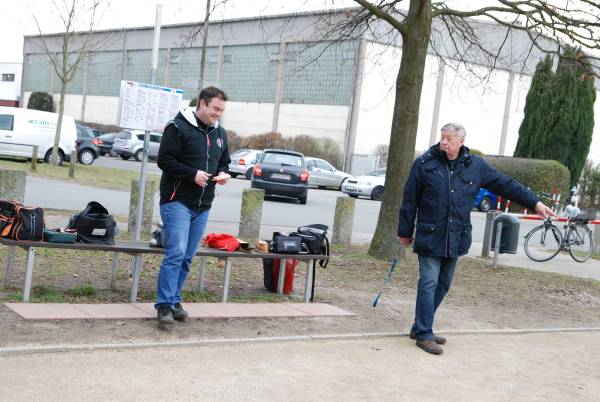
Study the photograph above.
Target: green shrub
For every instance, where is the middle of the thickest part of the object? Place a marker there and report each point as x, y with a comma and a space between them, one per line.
538, 175
193, 102
41, 101
324, 148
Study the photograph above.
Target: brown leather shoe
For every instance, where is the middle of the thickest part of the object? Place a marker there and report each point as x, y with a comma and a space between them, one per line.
430, 346
440, 340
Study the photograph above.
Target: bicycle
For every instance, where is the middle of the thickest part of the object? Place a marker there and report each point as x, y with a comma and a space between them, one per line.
544, 242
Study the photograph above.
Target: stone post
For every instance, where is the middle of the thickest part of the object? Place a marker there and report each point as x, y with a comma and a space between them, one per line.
343, 220
12, 185
72, 163
148, 206
250, 214
596, 229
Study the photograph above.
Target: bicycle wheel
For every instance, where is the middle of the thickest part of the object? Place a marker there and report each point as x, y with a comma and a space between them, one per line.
543, 243
580, 243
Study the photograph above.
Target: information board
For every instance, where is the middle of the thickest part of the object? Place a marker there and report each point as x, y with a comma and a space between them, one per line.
147, 107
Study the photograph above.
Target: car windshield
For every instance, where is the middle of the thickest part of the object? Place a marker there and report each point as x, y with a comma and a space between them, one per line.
282, 159
378, 172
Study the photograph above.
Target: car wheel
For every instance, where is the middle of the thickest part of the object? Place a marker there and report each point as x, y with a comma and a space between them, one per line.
353, 195
125, 157
249, 173
485, 204
377, 193
342, 183
303, 199
234, 175
59, 156
113, 153
86, 157
139, 154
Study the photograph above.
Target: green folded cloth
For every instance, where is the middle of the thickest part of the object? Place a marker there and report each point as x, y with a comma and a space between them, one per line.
59, 236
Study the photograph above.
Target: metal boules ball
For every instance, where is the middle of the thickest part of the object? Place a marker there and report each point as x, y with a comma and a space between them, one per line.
153, 242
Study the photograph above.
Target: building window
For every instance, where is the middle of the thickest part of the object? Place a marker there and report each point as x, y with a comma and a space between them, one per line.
8, 77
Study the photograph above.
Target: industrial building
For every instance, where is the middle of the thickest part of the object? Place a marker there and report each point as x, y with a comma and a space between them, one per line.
291, 74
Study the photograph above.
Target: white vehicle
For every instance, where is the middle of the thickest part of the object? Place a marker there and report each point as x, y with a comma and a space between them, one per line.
22, 128
243, 161
369, 185
323, 174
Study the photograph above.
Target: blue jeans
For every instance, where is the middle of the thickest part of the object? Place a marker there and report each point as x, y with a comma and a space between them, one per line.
184, 228
435, 278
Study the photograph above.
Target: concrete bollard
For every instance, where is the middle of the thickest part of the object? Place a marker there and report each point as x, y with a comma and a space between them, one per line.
343, 220
596, 229
12, 185
148, 209
34, 157
251, 214
72, 163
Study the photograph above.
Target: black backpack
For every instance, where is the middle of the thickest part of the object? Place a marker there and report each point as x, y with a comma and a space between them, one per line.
314, 238
94, 224
18, 222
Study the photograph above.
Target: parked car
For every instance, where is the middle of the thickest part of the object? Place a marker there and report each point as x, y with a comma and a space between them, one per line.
86, 145
485, 200
281, 173
369, 185
130, 143
106, 143
21, 128
323, 174
243, 161
97, 132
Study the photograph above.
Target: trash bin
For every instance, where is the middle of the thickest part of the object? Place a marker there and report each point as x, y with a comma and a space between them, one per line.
271, 274
509, 237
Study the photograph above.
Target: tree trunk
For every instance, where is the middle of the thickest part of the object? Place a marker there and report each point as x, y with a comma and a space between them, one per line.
415, 40
61, 109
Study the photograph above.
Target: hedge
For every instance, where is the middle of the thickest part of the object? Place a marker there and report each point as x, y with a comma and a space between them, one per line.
538, 175
41, 101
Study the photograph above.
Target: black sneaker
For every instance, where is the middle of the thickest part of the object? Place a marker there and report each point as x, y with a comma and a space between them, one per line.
164, 314
179, 313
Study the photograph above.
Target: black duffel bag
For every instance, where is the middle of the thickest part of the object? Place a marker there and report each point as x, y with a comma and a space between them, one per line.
94, 224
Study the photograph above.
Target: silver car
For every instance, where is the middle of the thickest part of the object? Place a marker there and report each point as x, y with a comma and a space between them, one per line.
243, 161
369, 185
130, 143
323, 174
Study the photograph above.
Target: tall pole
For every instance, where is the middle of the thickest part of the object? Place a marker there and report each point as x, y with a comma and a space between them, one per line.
203, 51
142, 184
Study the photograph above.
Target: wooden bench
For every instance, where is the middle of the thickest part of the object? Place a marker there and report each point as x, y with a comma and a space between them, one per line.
137, 249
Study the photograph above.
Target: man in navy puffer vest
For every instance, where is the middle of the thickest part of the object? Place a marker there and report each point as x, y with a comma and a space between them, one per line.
193, 156
439, 193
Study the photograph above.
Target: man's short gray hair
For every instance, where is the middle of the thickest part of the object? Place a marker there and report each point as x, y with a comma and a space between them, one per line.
457, 128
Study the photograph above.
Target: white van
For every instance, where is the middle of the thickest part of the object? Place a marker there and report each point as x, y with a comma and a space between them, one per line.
21, 128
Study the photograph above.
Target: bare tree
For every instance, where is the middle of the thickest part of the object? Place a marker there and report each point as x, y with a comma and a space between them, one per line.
74, 48
427, 24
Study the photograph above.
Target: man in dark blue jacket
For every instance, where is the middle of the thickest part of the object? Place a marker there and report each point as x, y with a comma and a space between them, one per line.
439, 193
193, 156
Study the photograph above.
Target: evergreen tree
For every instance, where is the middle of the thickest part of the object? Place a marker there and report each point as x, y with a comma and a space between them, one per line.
559, 113
534, 115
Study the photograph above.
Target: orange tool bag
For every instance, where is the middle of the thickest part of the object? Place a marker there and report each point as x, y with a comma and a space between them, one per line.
18, 222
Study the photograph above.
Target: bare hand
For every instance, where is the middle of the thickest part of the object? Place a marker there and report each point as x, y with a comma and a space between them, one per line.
221, 178
405, 241
543, 211
201, 178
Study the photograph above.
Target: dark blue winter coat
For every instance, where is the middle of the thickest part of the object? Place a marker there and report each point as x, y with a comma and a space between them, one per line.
441, 201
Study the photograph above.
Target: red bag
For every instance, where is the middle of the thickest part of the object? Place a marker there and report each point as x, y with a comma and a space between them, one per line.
221, 241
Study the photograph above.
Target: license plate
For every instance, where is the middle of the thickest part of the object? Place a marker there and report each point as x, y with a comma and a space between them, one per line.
281, 176
350, 188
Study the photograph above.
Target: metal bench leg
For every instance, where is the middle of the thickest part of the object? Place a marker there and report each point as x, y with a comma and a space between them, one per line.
202, 274
226, 280
10, 257
310, 267
137, 264
113, 272
281, 276
28, 274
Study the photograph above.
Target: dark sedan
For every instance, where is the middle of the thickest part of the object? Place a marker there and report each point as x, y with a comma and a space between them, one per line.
86, 145
105, 144
281, 173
